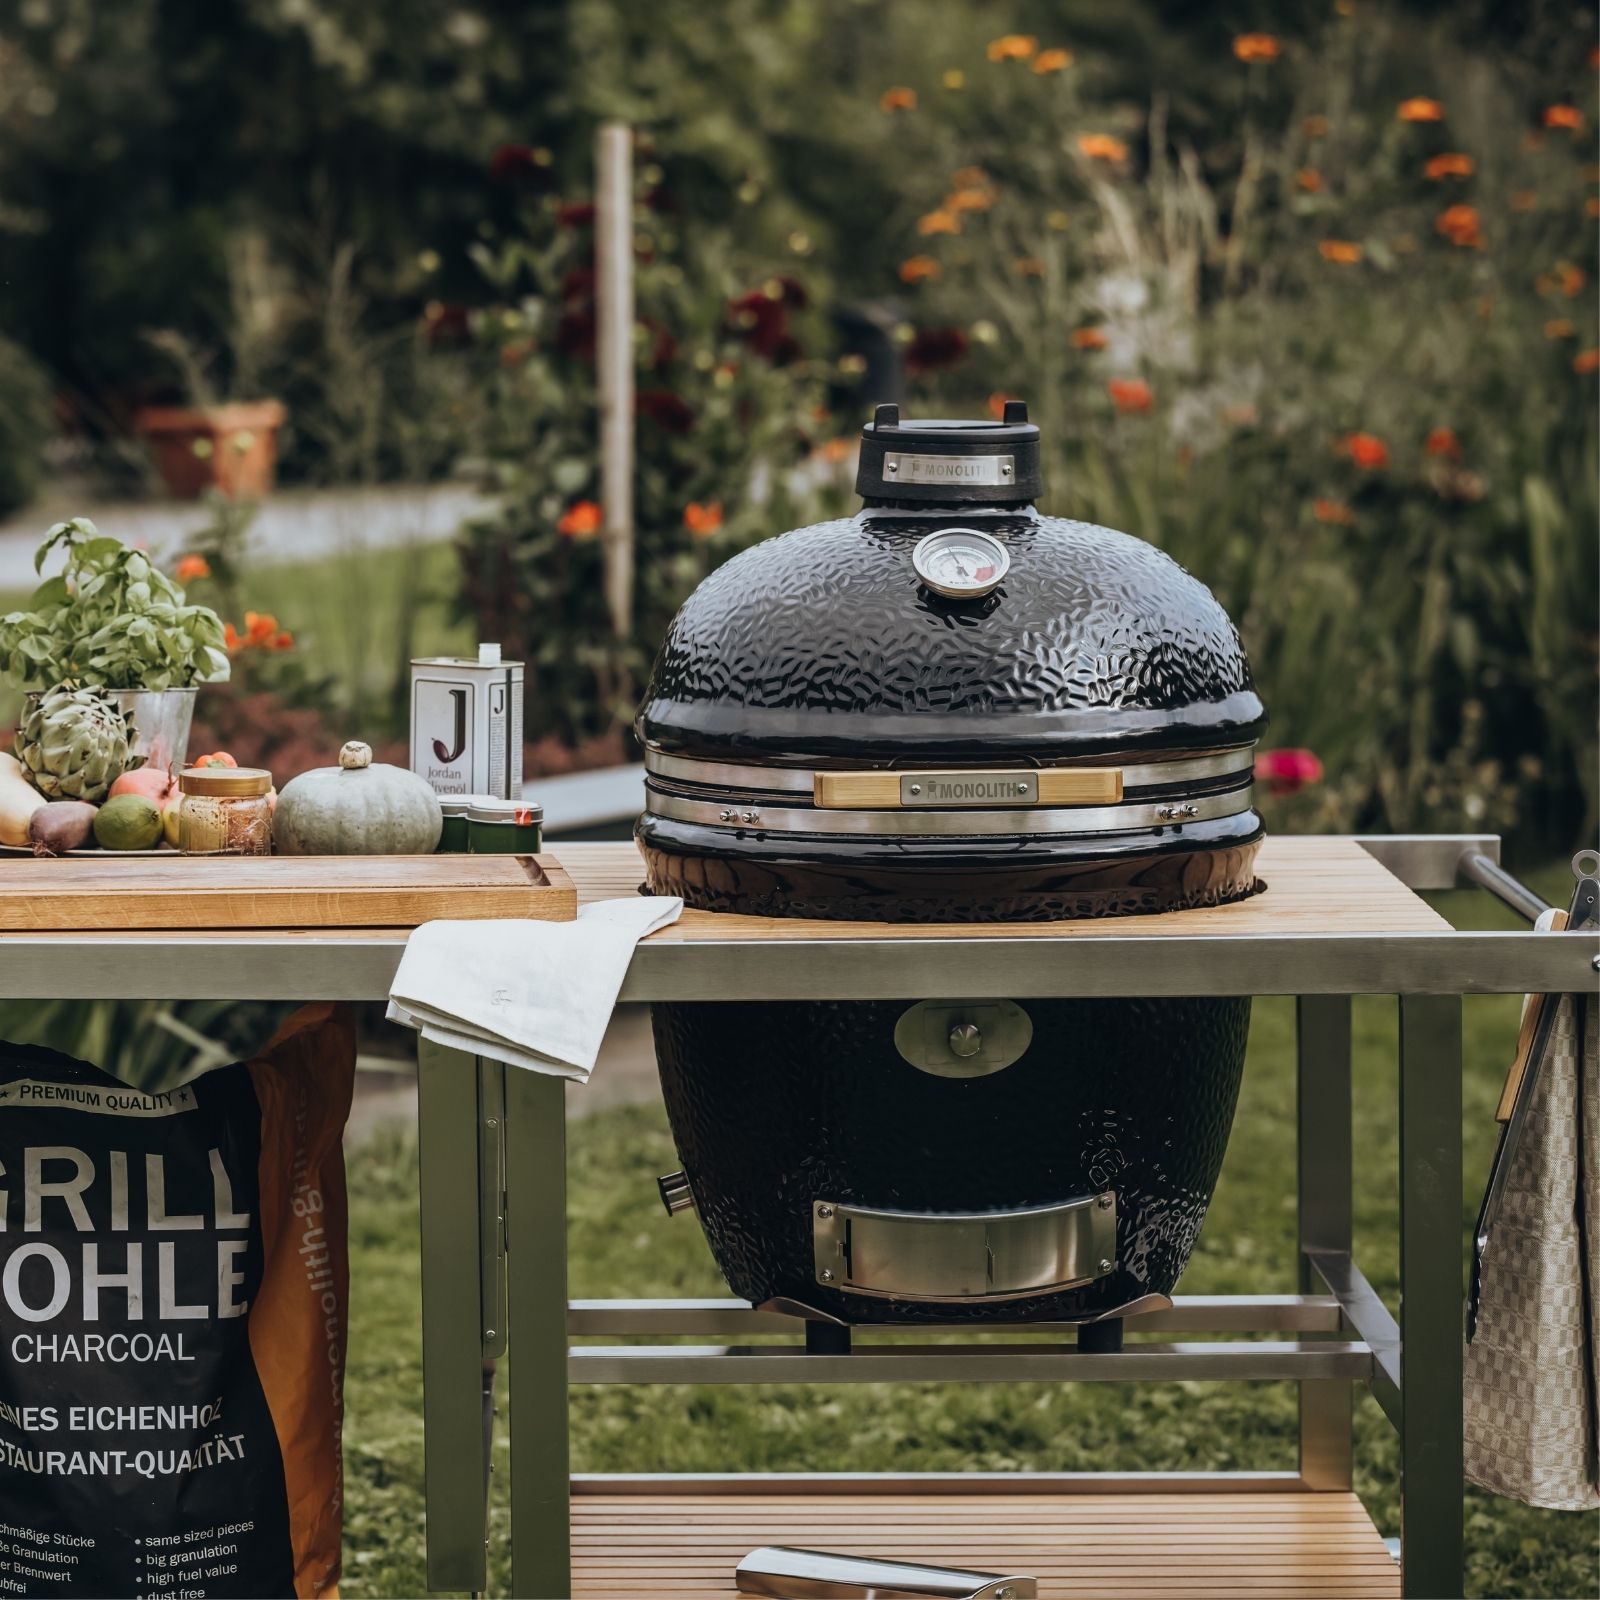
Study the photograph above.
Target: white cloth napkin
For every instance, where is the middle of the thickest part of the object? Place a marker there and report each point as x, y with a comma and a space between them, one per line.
533, 994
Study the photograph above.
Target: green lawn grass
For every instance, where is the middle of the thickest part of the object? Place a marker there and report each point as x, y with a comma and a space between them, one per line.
622, 1244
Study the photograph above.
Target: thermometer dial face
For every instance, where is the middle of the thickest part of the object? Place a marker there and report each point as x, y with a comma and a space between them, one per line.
960, 563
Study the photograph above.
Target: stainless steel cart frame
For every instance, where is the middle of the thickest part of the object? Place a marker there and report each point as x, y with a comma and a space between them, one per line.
493, 1174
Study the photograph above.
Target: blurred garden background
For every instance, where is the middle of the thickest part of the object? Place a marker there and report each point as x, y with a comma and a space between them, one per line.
1304, 294
1312, 308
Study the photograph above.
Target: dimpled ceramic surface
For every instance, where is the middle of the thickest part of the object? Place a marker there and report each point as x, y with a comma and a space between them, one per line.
823, 641
774, 1106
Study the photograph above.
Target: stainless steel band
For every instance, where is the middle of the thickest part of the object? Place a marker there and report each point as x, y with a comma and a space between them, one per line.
1028, 820
801, 780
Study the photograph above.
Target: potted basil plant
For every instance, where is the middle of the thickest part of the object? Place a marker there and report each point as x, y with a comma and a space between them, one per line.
111, 621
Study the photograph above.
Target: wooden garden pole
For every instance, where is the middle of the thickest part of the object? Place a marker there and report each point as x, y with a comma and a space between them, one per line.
613, 153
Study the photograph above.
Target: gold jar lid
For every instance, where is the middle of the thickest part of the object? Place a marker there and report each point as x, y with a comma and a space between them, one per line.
234, 782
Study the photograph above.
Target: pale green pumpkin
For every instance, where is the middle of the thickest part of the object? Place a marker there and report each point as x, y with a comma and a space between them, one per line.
357, 809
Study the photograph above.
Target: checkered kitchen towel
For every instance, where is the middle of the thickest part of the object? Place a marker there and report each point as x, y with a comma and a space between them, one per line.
1533, 1366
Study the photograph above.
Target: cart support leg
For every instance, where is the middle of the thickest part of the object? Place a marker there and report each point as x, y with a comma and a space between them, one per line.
536, 1192
452, 1340
1431, 1467
1322, 1041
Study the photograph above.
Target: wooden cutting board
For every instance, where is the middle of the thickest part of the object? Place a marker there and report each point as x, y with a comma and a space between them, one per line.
85, 894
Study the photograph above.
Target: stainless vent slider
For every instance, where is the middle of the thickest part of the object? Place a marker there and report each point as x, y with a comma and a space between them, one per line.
964, 1255
789, 1574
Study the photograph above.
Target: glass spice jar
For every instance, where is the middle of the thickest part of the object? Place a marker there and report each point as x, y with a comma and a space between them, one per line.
225, 811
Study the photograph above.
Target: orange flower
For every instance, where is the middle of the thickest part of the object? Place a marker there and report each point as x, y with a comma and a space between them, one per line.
581, 520
972, 198
1131, 396
898, 100
1089, 339
1012, 47
230, 637
1566, 279
1052, 61
997, 404
1586, 361
1309, 179
1420, 109
1343, 252
1524, 200
1559, 328
834, 450
282, 640
970, 178
920, 269
260, 626
192, 568
1591, 207
1367, 450
1315, 127
702, 519
1102, 147
1256, 47
1028, 267
1451, 165
1459, 224
1442, 442
1569, 117
940, 221
1594, 57
1335, 512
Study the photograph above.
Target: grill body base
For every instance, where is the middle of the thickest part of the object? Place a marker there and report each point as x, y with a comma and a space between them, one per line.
777, 1105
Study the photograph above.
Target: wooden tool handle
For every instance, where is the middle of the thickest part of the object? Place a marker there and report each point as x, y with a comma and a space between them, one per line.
1532, 1009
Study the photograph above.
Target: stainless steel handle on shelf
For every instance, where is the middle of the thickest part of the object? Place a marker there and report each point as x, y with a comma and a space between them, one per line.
1477, 868
785, 1573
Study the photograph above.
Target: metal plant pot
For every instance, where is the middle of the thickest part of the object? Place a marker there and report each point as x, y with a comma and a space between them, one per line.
161, 719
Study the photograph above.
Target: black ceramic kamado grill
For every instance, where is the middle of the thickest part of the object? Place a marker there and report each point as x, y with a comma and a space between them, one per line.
951, 708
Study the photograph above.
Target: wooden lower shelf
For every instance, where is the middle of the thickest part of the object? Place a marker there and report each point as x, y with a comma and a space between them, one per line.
1139, 1546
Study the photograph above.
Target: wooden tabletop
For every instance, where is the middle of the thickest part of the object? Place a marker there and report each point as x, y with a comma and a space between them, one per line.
1313, 885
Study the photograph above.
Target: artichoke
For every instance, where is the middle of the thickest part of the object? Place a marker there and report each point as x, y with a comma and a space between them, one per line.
74, 743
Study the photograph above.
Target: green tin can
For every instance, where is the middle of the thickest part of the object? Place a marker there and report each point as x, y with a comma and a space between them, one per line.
453, 835
503, 827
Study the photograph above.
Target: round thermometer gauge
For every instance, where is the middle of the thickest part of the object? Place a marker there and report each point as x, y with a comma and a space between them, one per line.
960, 563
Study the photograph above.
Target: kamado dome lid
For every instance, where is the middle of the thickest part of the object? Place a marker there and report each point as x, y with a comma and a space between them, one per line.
830, 643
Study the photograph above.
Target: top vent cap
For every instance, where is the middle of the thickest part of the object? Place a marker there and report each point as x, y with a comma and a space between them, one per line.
950, 460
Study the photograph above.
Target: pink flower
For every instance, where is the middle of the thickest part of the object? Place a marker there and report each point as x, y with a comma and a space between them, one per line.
1288, 771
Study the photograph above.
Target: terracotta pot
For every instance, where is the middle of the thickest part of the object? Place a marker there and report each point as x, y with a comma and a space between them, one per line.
233, 448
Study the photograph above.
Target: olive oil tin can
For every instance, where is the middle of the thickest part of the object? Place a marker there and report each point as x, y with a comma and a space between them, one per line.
466, 723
